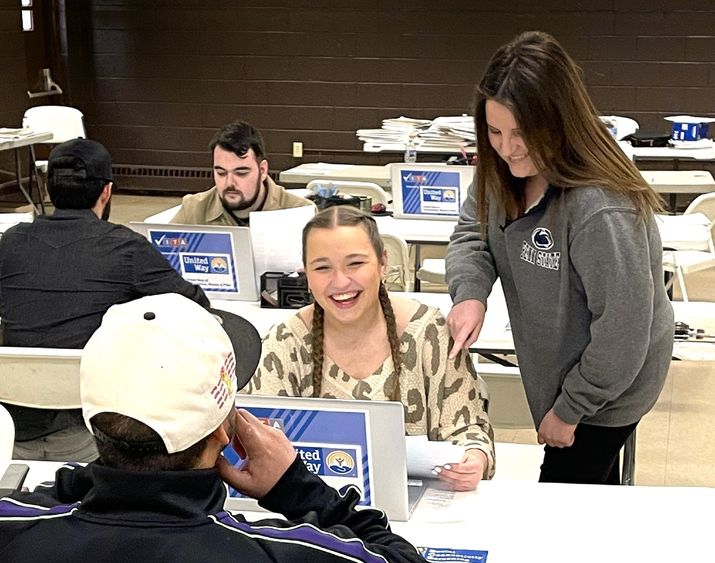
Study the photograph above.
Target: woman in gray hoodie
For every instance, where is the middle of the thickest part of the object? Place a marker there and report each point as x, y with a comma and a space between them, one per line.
565, 220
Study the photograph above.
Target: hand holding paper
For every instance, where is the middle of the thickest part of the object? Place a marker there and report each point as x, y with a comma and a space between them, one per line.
423, 456
465, 476
459, 470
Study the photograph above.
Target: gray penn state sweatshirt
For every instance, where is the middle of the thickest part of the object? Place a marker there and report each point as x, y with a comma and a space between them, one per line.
583, 281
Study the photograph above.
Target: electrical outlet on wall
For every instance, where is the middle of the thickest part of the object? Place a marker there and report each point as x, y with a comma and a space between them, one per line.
297, 150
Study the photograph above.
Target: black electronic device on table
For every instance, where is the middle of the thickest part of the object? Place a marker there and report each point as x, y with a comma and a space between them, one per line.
648, 139
284, 291
683, 331
322, 202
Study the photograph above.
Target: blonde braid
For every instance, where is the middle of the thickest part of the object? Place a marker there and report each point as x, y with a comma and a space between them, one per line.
394, 341
317, 330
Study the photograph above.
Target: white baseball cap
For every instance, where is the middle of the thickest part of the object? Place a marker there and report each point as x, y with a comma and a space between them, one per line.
169, 363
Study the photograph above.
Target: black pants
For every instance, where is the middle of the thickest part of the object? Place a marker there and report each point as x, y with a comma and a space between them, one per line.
593, 458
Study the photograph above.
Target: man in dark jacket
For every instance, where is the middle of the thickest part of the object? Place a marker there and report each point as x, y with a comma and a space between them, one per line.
158, 381
60, 274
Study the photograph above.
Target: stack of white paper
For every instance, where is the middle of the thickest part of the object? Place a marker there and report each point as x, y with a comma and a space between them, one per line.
459, 129
442, 133
405, 124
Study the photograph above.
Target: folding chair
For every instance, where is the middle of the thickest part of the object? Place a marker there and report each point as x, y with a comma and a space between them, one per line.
7, 436
432, 270
398, 264
687, 243
43, 378
64, 122
705, 204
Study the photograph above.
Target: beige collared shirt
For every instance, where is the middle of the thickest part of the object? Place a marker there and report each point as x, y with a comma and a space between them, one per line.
205, 208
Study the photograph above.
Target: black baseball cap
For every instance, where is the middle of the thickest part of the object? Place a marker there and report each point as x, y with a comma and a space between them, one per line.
80, 158
246, 344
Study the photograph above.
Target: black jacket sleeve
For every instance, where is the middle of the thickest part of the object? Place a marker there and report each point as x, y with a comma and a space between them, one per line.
154, 275
304, 498
72, 482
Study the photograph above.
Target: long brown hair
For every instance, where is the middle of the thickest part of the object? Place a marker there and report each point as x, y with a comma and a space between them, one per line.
347, 216
539, 82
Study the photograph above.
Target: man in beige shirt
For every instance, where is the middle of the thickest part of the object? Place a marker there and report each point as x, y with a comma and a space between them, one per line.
241, 181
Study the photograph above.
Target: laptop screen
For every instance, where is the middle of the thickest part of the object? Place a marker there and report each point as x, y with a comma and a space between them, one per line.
429, 191
218, 259
345, 442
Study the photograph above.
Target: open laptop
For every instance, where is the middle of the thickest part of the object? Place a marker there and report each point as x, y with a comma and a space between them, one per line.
345, 442
429, 191
219, 259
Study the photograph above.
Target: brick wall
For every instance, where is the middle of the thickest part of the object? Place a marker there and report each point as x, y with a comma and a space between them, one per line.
158, 78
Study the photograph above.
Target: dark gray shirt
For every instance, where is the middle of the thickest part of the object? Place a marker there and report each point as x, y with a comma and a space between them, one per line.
59, 275
583, 282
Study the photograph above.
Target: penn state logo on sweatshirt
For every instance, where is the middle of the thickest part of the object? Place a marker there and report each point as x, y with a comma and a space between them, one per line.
535, 251
542, 239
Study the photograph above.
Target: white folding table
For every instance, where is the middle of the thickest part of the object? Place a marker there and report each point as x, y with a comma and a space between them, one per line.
674, 182
521, 520
15, 143
304, 173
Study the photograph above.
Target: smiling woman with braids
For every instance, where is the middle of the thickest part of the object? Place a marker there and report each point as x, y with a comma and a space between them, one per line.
356, 342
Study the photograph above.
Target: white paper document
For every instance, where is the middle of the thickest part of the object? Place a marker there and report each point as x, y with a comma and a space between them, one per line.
690, 145
440, 505
276, 237
423, 456
321, 168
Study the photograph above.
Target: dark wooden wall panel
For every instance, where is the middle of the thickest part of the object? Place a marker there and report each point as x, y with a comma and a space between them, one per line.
156, 79
13, 80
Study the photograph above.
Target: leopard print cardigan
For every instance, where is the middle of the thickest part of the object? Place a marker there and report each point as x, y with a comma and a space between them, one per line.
441, 397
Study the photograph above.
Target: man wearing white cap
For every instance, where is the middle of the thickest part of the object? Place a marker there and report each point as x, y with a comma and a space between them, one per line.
158, 381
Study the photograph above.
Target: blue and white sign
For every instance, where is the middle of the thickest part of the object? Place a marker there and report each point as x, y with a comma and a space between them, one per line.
448, 555
203, 258
332, 444
429, 192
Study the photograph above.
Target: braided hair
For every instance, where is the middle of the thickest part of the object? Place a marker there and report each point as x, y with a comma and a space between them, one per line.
347, 216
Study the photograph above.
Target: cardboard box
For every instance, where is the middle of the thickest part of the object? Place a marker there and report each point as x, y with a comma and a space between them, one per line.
689, 128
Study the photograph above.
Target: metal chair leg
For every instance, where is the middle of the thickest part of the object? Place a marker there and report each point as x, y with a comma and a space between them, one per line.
629, 460
35, 175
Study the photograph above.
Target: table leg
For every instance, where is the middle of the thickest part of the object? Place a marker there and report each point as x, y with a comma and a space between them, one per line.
33, 173
667, 276
417, 266
497, 359
18, 176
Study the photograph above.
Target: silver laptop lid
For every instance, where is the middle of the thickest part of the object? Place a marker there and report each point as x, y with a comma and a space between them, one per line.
218, 259
429, 191
345, 442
